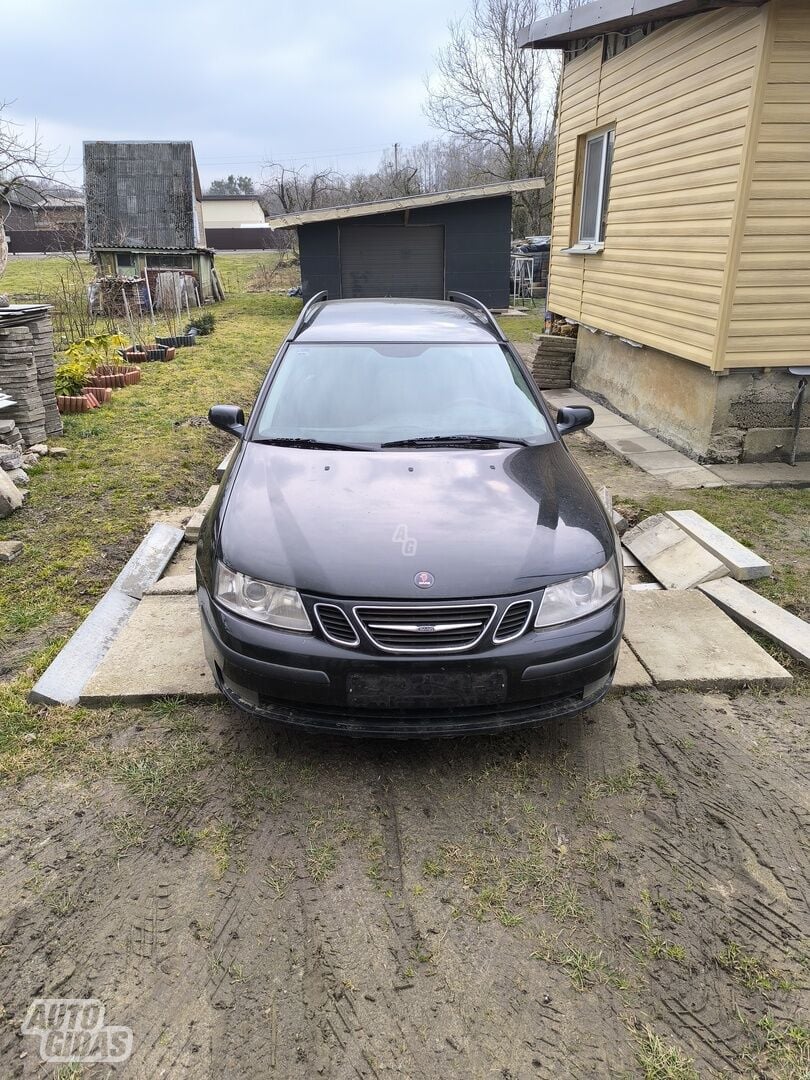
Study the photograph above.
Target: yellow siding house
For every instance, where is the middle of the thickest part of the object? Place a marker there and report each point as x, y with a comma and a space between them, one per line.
681, 223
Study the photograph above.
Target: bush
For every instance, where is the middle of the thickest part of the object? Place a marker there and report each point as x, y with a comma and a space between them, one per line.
202, 323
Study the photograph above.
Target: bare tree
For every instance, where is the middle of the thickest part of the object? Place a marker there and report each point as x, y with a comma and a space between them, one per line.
23, 162
290, 190
491, 93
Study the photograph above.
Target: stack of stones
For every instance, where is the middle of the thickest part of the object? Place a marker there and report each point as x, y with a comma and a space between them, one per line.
27, 371
551, 366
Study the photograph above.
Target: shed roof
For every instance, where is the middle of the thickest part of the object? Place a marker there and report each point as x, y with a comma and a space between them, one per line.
141, 195
607, 16
406, 202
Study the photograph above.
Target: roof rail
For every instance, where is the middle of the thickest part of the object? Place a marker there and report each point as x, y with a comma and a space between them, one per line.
307, 313
480, 308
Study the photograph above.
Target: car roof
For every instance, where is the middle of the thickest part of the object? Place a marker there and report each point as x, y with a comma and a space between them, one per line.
394, 319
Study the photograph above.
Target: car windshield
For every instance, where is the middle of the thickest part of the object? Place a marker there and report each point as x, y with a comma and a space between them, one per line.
380, 393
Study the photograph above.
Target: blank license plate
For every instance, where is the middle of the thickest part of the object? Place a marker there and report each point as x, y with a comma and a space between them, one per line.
416, 690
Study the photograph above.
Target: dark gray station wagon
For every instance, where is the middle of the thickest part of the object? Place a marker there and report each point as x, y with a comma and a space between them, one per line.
402, 544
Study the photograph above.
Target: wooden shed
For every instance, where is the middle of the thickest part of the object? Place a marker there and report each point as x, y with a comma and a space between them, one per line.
681, 223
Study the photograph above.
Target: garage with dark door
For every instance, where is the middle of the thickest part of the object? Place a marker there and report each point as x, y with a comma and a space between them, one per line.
419, 246
391, 260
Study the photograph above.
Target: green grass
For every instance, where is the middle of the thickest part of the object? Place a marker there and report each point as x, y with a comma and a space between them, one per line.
658, 1061
143, 452
26, 278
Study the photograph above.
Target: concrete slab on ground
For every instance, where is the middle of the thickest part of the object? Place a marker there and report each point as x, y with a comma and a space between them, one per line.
766, 474
749, 608
223, 465
173, 585
65, 677
195, 521
630, 673
684, 640
183, 562
159, 653
671, 555
743, 564
149, 560
637, 446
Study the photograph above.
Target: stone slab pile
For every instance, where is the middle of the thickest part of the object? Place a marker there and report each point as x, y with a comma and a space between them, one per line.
27, 371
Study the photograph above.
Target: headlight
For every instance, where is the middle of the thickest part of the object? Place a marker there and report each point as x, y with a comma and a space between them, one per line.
275, 605
579, 596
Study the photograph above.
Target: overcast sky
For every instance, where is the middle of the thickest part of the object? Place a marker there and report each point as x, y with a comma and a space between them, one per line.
325, 84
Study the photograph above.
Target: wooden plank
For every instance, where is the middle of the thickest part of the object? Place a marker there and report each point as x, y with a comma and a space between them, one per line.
755, 612
743, 564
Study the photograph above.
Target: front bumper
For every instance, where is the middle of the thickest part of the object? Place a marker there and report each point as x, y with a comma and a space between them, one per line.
304, 681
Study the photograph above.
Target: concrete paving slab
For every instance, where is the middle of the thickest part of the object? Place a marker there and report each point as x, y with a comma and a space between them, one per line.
683, 640
767, 474
159, 653
656, 461
223, 465
633, 444
630, 673
64, 679
671, 556
174, 585
183, 562
629, 561
743, 564
149, 560
696, 476
195, 521
750, 609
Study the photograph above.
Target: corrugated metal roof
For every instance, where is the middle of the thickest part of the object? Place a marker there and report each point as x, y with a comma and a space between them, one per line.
406, 202
141, 195
607, 16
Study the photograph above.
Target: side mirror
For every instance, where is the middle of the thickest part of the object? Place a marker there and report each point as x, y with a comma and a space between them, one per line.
573, 418
228, 418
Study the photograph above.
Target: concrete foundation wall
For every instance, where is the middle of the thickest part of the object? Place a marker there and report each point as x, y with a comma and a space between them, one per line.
743, 415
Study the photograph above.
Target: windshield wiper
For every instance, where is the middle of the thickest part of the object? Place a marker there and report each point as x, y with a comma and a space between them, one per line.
311, 444
456, 440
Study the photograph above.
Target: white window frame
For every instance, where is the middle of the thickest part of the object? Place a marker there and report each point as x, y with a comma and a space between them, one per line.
594, 243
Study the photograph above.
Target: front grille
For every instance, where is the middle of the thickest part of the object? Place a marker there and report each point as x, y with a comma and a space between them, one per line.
335, 624
423, 628
513, 621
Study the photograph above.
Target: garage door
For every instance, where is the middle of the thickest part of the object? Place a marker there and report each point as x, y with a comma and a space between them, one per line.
392, 260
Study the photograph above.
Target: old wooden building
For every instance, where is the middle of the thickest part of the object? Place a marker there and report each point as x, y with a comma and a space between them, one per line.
144, 210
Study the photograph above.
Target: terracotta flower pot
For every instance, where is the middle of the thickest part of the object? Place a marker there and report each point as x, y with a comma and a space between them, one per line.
102, 394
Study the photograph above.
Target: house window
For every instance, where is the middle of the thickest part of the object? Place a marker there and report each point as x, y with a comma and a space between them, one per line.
597, 162
124, 261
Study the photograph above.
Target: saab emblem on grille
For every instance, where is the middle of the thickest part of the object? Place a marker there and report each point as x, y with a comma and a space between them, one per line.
423, 580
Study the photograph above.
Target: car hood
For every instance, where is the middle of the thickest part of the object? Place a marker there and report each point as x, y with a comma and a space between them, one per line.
365, 524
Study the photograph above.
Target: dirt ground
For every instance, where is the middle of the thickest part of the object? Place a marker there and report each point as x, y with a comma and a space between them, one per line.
579, 901
623, 895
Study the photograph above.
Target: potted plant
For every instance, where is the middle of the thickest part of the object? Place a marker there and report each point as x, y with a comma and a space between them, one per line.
71, 396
